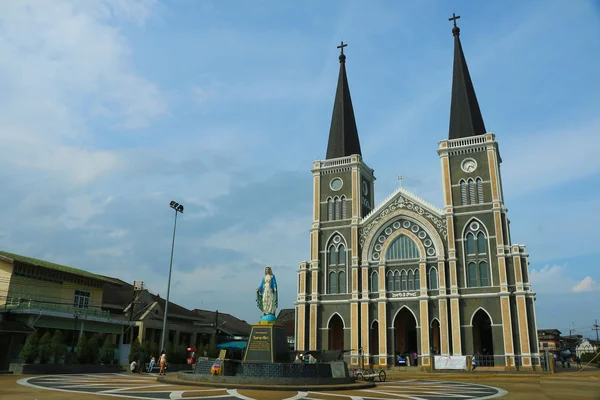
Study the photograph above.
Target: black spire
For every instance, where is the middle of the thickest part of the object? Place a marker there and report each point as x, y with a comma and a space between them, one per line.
343, 135
465, 116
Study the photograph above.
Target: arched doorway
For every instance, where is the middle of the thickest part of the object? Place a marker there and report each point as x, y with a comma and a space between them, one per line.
374, 340
482, 334
435, 337
405, 328
336, 333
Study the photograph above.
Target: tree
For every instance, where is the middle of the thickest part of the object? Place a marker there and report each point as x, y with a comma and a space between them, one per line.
82, 351
93, 348
30, 350
134, 352
213, 350
45, 348
107, 352
59, 349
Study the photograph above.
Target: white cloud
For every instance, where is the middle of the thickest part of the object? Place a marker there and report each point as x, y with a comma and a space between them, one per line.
63, 63
587, 284
550, 279
578, 158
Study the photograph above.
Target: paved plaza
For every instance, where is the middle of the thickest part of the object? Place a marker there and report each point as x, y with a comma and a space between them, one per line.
428, 387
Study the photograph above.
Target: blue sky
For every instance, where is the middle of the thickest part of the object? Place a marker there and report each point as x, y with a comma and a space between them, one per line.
110, 109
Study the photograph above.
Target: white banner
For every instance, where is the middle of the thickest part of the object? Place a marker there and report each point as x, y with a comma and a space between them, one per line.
450, 362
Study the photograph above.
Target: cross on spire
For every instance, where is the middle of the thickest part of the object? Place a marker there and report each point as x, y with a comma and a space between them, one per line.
341, 47
454, 18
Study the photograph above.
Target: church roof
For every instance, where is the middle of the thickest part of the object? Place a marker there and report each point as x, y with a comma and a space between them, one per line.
465, 116
343, 135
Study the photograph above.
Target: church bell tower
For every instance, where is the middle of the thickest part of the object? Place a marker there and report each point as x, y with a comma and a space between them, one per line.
342, 196
482, 259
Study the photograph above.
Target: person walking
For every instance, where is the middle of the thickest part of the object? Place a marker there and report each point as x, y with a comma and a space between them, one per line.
152, 362
578, 361
142, 362
163, 362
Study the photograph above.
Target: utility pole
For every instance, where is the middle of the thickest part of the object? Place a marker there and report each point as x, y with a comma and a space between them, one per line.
596, 328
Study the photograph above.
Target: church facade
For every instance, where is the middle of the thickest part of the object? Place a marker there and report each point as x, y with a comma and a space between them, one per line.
406, 276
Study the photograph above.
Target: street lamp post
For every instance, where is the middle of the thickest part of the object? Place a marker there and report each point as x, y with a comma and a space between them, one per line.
178, 209
75, 315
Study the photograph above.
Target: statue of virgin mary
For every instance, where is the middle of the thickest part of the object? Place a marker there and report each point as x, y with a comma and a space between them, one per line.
266, 293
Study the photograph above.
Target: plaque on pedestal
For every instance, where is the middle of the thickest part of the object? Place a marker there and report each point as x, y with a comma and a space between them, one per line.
267, 343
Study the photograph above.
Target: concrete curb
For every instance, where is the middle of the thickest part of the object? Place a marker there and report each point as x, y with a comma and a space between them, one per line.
296, 388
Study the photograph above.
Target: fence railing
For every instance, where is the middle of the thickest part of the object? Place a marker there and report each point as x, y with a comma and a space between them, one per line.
16, 303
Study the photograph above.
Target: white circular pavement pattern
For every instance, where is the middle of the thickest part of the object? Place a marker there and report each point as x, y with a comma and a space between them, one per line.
147, 387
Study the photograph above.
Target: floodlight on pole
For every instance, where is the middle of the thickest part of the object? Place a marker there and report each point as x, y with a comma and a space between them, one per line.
178, 209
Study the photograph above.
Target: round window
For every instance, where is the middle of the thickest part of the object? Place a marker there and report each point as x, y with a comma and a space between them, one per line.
336, 184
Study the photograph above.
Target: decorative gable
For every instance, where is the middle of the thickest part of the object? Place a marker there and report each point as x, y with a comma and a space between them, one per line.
403, 199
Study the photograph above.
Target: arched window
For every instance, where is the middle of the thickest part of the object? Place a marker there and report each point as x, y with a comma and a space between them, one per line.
471, 191
484, 274
411, 280
463, 192
329, 209
343, 207
470, 243
374, 282
433, 280
472, 273
341, 282
479, 190
389, 282
332, 256
404, 277
332, 282
336, 208
417, 279
397, 281
402, 248
341, 255
481, 243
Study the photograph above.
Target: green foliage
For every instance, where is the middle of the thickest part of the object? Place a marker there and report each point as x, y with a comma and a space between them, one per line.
154, 350
181, 353
147, 346
59, 349
30, 350
83, 356
134, 352
107, 352
45, 348
587, 357
171, 353
93, 348
213, 350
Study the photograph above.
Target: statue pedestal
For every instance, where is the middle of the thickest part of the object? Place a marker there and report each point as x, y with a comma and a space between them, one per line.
267, 343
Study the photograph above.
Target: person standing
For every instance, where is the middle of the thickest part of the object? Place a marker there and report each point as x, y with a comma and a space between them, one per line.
163, 362
151, 366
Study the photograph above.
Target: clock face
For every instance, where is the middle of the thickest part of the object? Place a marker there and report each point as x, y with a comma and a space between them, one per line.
365, 188
469, 165
336, 184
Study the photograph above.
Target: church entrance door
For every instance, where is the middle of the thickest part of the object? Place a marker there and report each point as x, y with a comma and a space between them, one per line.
435, 337
374, 340
336, 333
482, 334
405, 327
